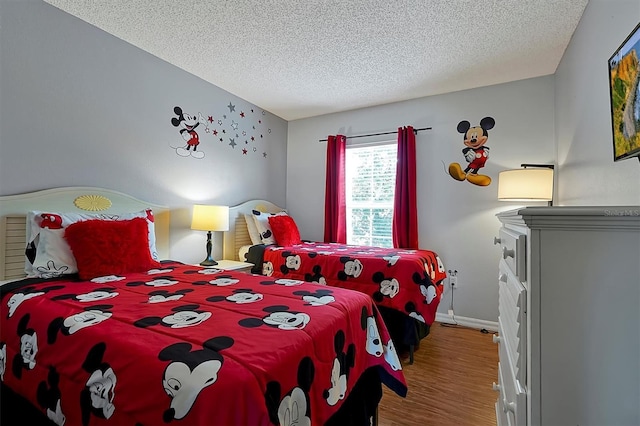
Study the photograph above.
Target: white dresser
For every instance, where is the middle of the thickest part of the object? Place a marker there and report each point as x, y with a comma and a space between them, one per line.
569, 316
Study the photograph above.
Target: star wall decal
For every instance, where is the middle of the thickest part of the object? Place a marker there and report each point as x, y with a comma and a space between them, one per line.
244, 151
210, 119
215, 132
242, 114
234, 125
233, 143
264, 154
231, 107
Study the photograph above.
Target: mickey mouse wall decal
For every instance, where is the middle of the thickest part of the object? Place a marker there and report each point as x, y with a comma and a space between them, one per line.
475, 153
187, 124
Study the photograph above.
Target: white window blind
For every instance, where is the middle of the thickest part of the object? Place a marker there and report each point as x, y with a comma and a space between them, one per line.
370, 185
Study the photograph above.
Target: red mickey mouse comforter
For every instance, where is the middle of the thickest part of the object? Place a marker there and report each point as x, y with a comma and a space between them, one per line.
187, 345
409, 281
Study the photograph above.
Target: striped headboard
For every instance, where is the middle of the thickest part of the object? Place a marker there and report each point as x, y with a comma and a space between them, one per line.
238, 234
14, 209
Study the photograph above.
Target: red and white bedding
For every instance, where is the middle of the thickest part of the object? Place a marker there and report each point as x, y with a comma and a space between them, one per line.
186, 345
409, 281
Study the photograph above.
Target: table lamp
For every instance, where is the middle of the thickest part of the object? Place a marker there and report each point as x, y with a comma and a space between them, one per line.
210, 218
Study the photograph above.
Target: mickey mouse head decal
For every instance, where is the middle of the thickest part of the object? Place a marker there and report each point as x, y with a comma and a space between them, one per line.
295, 406
352, 268
28, 347
27, 293
183, 316
49, 395
279, 317
97, 396
190, 372
340, 371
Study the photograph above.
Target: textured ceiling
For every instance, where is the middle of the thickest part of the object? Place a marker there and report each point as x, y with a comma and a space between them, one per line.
299, 58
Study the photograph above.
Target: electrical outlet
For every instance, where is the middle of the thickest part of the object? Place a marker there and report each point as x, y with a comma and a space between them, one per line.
451, 312
453, 280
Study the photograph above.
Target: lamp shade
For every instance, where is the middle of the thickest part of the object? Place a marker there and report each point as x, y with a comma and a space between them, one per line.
210, 218
532, 184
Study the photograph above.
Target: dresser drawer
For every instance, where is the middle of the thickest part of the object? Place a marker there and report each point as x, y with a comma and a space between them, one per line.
512, 400
513, 248
512, 322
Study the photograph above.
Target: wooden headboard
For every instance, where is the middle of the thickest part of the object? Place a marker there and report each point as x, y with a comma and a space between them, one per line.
14, 208
238, 235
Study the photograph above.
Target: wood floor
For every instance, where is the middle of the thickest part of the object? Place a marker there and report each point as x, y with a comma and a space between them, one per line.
449, 382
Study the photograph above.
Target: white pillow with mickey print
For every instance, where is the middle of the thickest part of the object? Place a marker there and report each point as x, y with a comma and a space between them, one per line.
254, 234
262, 223
48, 254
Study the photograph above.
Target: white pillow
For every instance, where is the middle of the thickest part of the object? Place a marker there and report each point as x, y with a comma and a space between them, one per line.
253, 230
262, 223
53, 256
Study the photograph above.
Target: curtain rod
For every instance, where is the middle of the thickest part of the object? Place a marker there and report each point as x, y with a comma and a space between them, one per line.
378, 134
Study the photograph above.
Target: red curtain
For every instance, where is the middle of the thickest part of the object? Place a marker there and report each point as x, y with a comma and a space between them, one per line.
405, 204
335, 200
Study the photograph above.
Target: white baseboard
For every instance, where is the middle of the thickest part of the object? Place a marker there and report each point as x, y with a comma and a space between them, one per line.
467, 322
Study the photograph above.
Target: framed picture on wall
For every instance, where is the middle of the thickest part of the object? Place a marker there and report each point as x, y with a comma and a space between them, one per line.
624, 89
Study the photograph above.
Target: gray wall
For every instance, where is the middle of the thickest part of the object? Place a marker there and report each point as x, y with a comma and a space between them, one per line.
588, 175
80, 107
456, 219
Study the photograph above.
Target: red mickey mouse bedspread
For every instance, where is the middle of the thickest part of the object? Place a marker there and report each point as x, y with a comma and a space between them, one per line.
409, 281
187, 345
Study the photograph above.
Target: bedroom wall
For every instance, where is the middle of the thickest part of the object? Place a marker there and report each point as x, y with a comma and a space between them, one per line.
80, 107
587, 174
456, 219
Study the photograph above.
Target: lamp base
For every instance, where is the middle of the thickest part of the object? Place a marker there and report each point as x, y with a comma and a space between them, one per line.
208, 262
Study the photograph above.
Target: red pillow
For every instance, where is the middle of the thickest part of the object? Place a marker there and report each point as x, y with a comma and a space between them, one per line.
110, 247
285, 231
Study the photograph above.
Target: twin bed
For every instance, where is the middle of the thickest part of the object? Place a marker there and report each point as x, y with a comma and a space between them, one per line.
406, 285
165, 342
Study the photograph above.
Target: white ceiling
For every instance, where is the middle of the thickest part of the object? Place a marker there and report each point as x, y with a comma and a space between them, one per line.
302, 58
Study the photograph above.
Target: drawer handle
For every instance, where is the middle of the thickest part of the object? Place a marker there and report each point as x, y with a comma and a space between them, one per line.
502, 278
507, 253
508, 406
496, 387
496, 338
496, 241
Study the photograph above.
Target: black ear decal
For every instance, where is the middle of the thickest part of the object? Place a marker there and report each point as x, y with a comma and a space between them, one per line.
250, 322
378, 297
272, 401
363, 318
342, 276
147, 322
64, 297
174, 352
487, 123
22, 325
215, 299
192, 307
306, 371
463, 126
52, 330
94, 358
378, 277
218, 343
17, 366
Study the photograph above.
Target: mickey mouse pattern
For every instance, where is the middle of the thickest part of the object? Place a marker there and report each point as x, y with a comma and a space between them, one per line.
409, 281
159, 347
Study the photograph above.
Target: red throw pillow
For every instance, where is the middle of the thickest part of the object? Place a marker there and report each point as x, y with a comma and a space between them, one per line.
285, 231
110, 247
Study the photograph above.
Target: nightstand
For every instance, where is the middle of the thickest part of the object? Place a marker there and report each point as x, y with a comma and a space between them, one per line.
234, 265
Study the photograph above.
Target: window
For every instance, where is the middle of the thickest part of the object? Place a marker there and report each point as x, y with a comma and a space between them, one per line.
370, 185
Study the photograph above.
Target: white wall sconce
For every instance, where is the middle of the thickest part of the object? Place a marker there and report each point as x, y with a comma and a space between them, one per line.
533, 182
